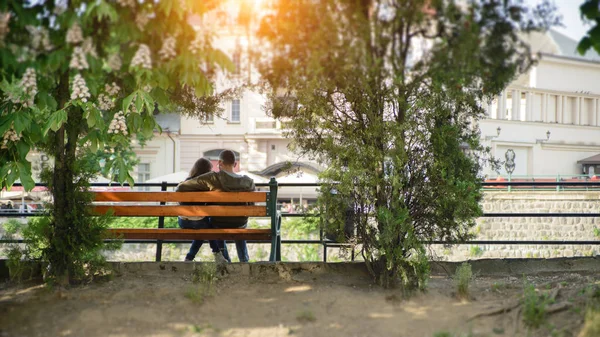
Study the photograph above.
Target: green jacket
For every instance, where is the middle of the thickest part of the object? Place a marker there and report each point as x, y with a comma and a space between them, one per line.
225, 182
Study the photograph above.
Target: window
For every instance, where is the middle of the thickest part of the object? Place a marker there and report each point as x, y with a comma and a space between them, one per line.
210, 118
237, 62
143, 173
235, 111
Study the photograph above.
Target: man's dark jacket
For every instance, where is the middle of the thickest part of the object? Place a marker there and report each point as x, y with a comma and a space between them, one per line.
224, 182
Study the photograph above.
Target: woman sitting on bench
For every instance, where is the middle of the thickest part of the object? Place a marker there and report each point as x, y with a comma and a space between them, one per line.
218, 247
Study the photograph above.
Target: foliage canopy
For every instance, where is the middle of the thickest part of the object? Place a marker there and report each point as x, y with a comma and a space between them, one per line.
386, 94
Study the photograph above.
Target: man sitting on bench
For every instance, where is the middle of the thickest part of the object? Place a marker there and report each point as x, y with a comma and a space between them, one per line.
226, 181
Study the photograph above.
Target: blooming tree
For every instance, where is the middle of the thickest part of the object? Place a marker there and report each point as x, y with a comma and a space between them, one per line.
79, 79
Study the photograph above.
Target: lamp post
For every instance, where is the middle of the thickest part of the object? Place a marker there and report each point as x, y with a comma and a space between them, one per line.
509, 164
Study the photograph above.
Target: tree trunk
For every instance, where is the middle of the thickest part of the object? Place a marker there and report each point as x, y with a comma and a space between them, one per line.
62, 192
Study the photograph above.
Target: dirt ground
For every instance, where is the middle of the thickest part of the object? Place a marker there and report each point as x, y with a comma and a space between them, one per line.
171, 304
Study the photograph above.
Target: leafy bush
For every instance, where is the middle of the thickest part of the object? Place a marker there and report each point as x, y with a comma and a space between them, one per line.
534, 307
141, 222
462, 278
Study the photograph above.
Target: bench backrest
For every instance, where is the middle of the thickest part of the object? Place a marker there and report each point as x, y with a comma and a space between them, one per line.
136, 203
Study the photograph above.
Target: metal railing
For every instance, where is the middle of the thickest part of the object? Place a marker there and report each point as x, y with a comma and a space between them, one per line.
327, 243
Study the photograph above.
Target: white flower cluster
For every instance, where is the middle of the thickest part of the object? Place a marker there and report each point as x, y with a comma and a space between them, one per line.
60, 7
4, 19
141, 20
74, 34
117, 125
9, 136
114, 62
78, 60
142, 57
88, 47
132, 107
147, 88
40, 38
105, 103
167, 51
105, 100
196, 45
80, 89
126, 3
29, 86
112, 89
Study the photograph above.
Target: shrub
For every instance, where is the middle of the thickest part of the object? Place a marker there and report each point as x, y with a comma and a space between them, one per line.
534, 307
462, 278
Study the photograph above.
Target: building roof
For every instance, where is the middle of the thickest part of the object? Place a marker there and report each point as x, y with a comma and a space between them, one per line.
169, 121
568, 47
593, 160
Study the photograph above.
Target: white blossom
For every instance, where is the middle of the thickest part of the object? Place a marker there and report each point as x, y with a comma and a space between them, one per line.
60, 6
112, 89
40, 38
74, 34
105, 103
126, 3
142, 57
80, 89
167, 51
118, 125
78, 60
196, 45
141, 20
9, 136
114, 62
88, 47
29, 86
147, 88
4, 20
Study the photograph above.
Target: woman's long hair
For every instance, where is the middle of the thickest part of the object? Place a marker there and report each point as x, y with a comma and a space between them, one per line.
201, 166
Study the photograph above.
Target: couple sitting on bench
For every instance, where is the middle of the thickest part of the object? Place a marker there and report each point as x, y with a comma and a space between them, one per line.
202, 178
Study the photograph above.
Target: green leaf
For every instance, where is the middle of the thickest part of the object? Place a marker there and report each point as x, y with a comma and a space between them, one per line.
594, 34
127, 101
6, 123
166, 7
590, 9
149, 102
123, 171
148, 127
56, 120
584, 45
45, 101
139, 103
21, 122
25, 176
23, 149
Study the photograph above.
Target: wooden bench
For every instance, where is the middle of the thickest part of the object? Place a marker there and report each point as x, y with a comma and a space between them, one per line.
134, 204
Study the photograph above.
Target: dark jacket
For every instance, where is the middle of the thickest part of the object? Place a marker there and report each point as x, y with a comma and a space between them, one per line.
225, 182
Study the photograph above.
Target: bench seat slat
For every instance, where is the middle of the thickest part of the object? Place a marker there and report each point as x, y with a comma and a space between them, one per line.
157, 210
190, 234
213, 197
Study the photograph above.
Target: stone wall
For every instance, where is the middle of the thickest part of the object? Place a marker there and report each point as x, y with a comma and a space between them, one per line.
532, 228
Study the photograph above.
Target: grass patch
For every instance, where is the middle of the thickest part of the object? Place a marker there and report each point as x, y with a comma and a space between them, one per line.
306, 316
475, 251
591, 326
204, 277
462, 278
534, 307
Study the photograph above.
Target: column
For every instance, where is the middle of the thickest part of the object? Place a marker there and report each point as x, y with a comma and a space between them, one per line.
577, 120
528, 106
516, 105
544, 108
502, 105
596, 108
559, 108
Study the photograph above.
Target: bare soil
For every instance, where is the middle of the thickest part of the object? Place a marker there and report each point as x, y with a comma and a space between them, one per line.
302, 304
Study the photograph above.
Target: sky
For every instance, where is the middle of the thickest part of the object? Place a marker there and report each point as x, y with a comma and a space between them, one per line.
571, 19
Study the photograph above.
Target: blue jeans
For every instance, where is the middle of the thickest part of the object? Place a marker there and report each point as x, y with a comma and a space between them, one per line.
242, 251
215, 245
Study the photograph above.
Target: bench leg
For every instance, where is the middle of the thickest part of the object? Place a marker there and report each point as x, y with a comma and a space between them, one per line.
278, 248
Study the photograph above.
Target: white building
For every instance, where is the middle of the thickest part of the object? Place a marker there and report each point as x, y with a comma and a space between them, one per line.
550, 116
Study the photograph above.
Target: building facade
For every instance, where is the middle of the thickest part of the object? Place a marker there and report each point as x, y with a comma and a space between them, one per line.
550, 116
